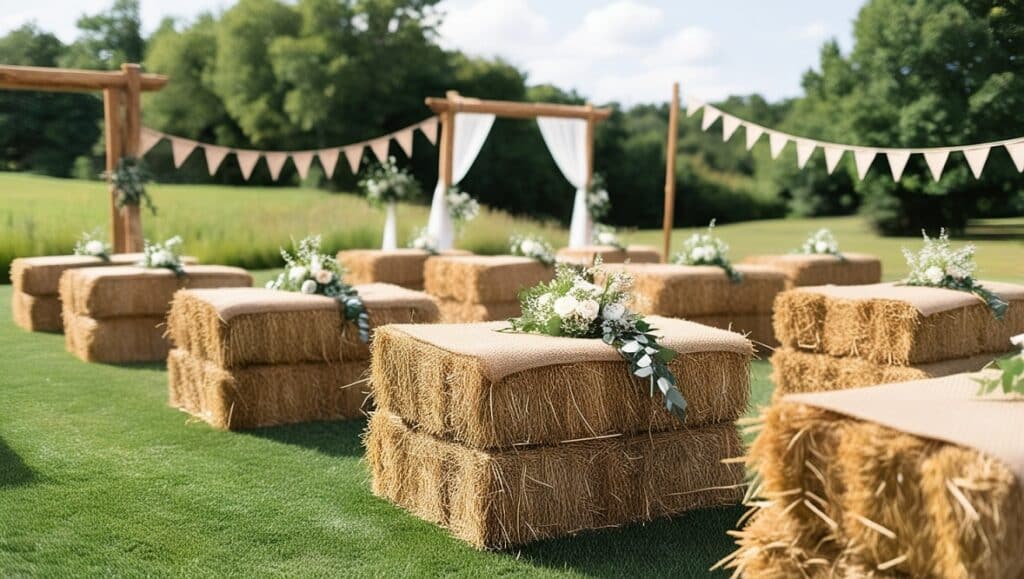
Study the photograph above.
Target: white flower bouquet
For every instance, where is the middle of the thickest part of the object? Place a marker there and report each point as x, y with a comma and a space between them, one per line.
312, 272
821, 242
165, 255
387, 183
424, 241
1011, 376
532, 246
937, 264
94, 245
606, 235
706, 249
599, 203
573, 306
461, 207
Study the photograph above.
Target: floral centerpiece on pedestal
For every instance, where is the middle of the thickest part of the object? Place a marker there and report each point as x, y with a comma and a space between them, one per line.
706, 249
821, 242
532, 246
937, 264
606, 235
573, 306
423, 240
310, 271
163, 255
385, 186
461, 207
94, 245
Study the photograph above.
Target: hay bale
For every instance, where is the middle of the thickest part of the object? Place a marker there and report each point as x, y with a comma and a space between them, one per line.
896, 325
36, 313
796, 371
586, 255
402, 267
109, 292
688, 291
756, 327
489, 389
811, 270
40, 276
259, 396
238, 327
497, 499
115, 340
774, 546
483, 279
456, 312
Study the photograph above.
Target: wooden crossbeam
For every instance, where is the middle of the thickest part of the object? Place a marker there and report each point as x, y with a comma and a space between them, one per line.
72, 80
459, 104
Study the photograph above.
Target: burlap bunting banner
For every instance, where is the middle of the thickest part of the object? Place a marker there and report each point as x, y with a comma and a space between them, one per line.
214, 157
247, 162
181, 149
354, 154
328, 160
429, 129
404, 140
148, 139
303, 160
380, 148
275, 162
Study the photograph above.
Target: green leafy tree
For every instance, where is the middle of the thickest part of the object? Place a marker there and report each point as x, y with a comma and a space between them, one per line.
108, 39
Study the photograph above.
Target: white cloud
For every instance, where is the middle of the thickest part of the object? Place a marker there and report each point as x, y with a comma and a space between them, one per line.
617, 29
687, 45
816, 30
509, 28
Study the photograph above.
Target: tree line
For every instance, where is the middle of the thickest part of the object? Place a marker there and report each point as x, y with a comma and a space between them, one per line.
278, 75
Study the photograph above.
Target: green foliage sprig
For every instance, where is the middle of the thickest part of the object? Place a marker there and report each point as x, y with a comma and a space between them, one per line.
572, 305
93, 244
532, 246
387, 183
1011, 376
937, 264
310, 271
129, 179
706, 249
164, 255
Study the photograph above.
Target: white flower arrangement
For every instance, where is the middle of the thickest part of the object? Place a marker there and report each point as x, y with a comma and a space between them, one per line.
821, 242
424, 241
706, 249
310, 271
572, 305
532, 246
461, 207
387, 183
92, 244
599, 203
163, 255
937, 264
606, 235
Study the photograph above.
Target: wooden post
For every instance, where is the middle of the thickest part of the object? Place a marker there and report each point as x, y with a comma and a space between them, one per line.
112, 135
132, 214
445, 159
590, 144
670, 174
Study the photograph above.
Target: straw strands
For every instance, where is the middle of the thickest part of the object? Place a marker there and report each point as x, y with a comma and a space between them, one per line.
481, 288
402, 267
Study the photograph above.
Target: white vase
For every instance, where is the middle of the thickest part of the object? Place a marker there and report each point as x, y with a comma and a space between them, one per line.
390, 228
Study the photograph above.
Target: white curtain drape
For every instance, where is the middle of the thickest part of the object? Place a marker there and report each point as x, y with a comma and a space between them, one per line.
567, 141
471, 130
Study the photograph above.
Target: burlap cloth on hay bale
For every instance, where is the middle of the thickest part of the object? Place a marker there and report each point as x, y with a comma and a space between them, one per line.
795, 371
809, 270
265, 395
483, 279
456, 312
402, 267
490, 389
756, 327
246, 326
497, 499
893, 324
688, 291
585, 255
919, 478
36, 313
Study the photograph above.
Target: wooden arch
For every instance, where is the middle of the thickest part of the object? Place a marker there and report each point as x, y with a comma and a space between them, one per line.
122, 115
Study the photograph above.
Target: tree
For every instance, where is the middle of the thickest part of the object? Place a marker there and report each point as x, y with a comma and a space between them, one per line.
108, 39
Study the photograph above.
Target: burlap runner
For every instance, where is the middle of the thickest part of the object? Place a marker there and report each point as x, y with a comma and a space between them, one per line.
927, 300
491, 260
945, 409
800, 258
232, 302
136, 272
501, 353
673, 271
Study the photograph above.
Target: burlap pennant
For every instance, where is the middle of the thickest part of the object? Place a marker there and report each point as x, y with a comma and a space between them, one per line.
404, 140
214, 157
936, 162
354, 154
832, 157
863, 158
303, 160
804, 150
976, 159
729, 126
753, 134
711, 115
429, 129
777, 142
181, 149
329, 160
148, 139
1016, 151
380, 148
247, 161
275, 162
897, 163
692, 106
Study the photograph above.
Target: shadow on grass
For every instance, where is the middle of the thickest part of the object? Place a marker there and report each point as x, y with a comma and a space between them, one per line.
694, 541
336, 438
13, 471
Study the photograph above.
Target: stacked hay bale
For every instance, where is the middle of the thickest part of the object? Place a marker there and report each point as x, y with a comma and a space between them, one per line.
817, 269
705, 294
116, 314
481, 288
916, 479
252, 357
837, 337
402, 267
507, 438
587, 254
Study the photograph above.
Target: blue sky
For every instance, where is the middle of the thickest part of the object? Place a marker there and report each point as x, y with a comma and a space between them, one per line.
625, 50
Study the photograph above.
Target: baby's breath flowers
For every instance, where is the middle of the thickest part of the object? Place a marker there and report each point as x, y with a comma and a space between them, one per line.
166, 255
387, 184
532, 246
821, 242
94, 245
461, 207
706, 249
606, 235
937, 264
424, 241
598, 201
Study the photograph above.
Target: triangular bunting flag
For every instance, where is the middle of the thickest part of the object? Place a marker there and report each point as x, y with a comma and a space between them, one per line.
247, 162
303, 160
804, 150
380, 148
329, 160
404, 140
711, 115
148, 138
181, 149
429, 129
354, 153
753, 134
214, 157
777, 142
832, 157
1016, 151
976, 159
729, 126
897, 162
692, 106
863, 158
275, 162
936, 162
